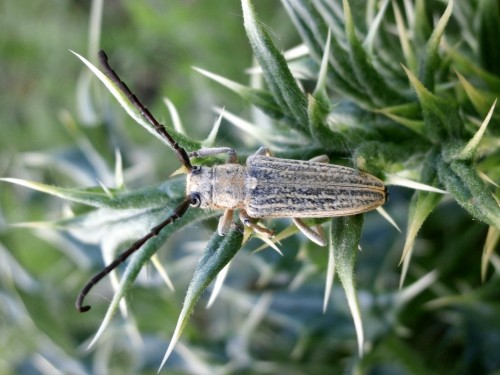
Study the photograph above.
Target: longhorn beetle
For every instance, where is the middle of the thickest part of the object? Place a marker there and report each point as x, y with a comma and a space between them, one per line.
267, 187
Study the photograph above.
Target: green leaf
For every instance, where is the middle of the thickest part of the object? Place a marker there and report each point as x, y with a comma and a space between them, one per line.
404, 39
415, 125
466, 65
96, 197
470, 149
441, 118
492, 240
330, 271
310, 25
134, 112
320, 92
154, 196
382, 158
309, 22
375, 85
218, 253
278, 77
489, 35
259, 98
469, 190
430, 60
345, 236
320, 130
421, 205
422, 28
143, 255
481, 100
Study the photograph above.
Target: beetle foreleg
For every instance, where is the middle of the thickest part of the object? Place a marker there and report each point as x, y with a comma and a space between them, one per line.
316, 237
247, 221
205, 152
225, 222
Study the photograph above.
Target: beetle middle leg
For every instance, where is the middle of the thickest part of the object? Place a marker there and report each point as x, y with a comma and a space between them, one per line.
247, 220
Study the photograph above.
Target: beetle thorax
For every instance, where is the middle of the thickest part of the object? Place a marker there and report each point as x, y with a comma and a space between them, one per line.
219, 187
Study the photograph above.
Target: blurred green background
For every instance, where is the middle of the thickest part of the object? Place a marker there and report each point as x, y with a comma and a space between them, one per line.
153, 45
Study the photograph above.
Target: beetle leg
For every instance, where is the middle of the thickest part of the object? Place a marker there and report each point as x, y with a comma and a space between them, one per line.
264, 151
247, 220
316, 237
225, 222
205, 152
320, 159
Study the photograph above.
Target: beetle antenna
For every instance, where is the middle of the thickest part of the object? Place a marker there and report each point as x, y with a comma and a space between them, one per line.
178, 212
181, 153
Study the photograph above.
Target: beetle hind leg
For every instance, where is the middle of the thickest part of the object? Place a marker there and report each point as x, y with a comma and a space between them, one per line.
315, 236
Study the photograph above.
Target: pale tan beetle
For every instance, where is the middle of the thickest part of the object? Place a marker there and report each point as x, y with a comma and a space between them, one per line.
266, 187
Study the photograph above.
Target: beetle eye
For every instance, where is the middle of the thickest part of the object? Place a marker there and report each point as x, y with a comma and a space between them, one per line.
195, 200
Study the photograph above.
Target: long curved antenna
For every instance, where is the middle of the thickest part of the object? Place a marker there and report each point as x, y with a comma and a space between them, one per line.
181, 153
178, 212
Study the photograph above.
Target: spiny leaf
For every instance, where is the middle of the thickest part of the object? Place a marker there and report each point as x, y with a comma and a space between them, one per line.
469, 190
408, 52
259, 98
310, 25
421, 26
152, 196
330, 272
489, 35
466, 65
429, 64
219, 251
319, 129
492, 239
320, 89
134, 112
481, 100
374, 84
345, 236
266, 138
421, 206
374, 26
143, 255
91, 197
384, 159
174, 116
396, 180
279, 79
309, 19
415, 125
469, 151
441, 117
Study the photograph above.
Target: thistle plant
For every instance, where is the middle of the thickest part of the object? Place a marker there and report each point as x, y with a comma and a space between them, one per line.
405, 91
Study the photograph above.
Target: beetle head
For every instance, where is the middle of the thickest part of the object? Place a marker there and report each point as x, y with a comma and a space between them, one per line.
199, 184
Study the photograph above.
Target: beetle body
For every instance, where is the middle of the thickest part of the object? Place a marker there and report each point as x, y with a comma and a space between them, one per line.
269, 187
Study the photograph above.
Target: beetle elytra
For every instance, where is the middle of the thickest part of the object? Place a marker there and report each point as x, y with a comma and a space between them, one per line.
266, 187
